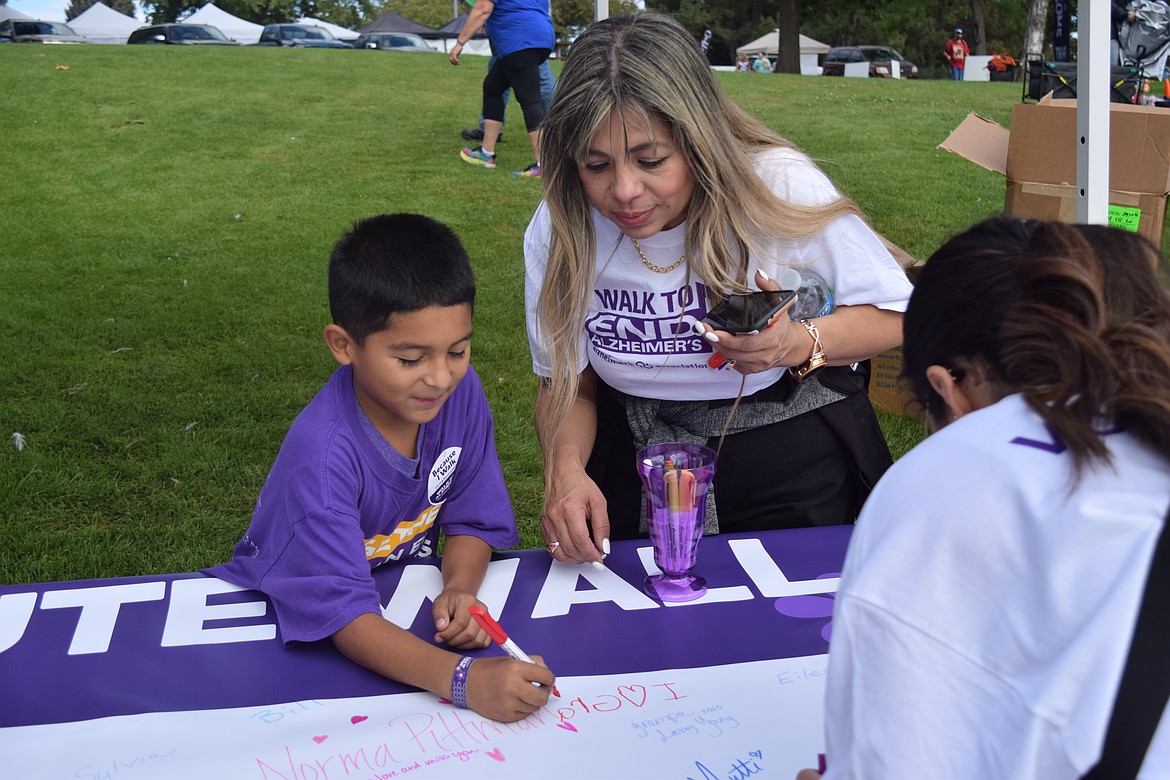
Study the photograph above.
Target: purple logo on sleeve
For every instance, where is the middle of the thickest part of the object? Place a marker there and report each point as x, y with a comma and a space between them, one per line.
1055, 445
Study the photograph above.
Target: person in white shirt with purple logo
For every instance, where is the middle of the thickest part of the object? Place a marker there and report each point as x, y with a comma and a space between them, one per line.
662, 197
992, 586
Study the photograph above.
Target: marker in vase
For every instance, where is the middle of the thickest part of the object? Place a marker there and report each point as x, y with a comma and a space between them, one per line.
500, 637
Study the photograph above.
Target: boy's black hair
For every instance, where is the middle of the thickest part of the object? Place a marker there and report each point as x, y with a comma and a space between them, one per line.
393, 264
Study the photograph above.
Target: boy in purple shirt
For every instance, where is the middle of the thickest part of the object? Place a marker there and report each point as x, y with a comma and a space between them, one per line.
397, 446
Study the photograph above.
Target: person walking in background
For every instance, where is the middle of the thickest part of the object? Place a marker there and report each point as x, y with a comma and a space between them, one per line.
548, 83
957, 53
522, 36
991, 589
741, 63
761, 64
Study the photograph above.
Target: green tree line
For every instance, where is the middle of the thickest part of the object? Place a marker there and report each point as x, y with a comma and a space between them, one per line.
917, 28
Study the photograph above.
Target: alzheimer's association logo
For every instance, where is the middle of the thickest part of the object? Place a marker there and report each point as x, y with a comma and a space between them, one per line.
442, 475
641, 324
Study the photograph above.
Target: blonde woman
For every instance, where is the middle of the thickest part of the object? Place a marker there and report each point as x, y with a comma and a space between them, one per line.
661, 196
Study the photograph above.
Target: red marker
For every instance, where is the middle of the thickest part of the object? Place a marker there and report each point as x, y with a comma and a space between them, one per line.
500, 637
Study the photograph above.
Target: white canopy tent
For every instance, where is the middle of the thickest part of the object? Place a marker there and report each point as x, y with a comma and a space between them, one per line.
449, 33
11, 13
338, 32
102, 24
769, 44
232, 26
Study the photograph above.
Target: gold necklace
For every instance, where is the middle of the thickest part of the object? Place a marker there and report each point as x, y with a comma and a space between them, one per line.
656, 268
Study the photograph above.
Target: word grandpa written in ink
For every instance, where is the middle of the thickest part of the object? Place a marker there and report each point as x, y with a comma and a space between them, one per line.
712, 721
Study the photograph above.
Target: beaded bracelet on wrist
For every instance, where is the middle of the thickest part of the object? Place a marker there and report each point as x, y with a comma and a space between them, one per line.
459, 682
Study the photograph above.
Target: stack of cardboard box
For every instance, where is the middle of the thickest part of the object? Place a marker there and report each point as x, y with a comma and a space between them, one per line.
1039, 158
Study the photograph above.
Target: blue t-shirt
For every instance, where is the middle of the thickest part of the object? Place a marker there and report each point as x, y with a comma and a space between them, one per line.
336, 505
520, 24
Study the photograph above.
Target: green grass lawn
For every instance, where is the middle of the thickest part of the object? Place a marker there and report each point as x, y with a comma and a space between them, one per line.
167, 217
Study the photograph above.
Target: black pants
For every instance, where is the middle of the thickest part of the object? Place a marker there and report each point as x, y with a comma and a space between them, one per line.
520, 70
811, 470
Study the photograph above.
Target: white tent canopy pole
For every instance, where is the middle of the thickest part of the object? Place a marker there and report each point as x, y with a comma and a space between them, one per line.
1093, 74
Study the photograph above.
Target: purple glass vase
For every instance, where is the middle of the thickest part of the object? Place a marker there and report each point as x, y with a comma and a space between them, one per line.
676, 477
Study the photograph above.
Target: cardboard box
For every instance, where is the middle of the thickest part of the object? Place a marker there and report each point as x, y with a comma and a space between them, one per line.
885, 391
1039, 158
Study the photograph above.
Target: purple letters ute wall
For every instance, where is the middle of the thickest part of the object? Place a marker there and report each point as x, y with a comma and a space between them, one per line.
72, 651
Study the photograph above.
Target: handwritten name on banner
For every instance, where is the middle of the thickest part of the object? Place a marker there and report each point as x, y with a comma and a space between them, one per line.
720, 722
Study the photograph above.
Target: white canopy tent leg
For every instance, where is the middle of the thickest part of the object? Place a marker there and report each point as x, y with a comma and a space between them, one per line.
1093, 74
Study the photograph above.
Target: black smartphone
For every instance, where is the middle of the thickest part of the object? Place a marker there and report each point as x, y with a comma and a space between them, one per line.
750, 312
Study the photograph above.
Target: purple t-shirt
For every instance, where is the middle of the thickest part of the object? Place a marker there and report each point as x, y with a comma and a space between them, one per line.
334, 507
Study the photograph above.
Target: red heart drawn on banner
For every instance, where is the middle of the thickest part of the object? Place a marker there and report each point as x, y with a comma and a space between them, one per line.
497, 754
356, 719
632, 688
321, 738
567, 726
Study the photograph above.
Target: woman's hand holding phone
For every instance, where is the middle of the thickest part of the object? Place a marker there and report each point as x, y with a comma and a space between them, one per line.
741, 328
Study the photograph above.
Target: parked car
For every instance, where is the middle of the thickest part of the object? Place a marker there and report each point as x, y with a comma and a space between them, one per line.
880, 59
392, 42
181, 34
31, 31
300, 36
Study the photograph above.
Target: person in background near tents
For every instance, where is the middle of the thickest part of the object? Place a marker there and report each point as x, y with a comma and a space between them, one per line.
761, 63
522, 37
992, 587
548, 83
742, 64
957, 52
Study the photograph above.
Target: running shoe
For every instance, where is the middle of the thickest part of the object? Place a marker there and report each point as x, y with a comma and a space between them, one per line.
532, 170
477, 156
476, 134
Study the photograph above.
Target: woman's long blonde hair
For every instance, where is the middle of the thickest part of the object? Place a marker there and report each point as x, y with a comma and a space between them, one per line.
646, 66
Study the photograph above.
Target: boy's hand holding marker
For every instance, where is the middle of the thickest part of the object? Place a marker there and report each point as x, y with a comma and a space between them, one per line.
500, 637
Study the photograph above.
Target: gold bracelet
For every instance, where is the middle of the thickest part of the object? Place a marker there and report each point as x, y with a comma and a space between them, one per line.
817, 359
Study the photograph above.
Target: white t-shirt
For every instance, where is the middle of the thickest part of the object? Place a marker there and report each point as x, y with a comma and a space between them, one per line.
987, 605
638, 333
